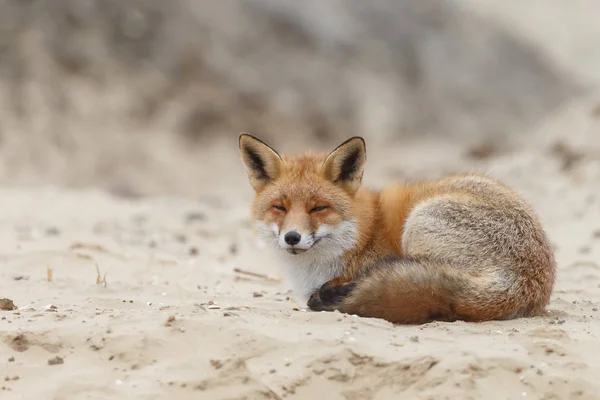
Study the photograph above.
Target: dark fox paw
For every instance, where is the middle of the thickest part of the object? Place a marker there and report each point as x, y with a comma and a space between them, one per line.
330, 296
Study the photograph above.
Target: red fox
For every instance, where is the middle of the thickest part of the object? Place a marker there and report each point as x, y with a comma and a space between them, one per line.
464, 247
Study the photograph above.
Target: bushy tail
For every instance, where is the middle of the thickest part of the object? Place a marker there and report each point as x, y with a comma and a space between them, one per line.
419, 291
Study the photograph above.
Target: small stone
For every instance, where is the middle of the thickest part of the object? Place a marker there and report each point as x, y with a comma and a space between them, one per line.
257, 294
7, 305
557, 321
585, 250
195, 216
52, 231
414, 339
11, 359
56, 361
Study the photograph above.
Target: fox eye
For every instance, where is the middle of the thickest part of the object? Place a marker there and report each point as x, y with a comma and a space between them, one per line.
319, 208
280, 208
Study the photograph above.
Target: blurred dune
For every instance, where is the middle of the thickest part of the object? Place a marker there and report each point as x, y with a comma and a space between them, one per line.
110, 93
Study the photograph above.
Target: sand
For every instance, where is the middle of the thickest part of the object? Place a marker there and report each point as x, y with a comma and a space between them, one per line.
139, 298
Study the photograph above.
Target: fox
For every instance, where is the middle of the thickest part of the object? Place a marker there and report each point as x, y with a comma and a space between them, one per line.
463, 247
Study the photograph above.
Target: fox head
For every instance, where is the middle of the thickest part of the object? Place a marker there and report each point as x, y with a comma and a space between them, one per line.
305, 203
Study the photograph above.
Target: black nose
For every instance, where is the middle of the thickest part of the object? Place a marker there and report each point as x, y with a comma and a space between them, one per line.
292, 238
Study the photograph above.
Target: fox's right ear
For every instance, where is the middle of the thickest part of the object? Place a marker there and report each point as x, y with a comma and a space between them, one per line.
263, 164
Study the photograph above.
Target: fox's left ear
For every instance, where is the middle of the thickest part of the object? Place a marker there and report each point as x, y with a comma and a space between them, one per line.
263, 164
345, 165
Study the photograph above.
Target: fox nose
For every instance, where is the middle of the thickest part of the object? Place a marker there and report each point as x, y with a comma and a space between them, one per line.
292, 238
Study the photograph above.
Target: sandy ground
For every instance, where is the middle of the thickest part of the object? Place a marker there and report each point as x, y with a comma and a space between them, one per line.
121, 298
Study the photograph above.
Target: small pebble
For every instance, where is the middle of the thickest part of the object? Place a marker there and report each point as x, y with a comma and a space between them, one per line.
56, 361
195, 216
7, 305
52, 231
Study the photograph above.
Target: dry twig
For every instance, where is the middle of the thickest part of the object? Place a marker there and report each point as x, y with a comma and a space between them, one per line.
257, 275
100, 280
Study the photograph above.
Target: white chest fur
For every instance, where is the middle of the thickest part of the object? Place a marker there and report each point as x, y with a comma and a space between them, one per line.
305, 274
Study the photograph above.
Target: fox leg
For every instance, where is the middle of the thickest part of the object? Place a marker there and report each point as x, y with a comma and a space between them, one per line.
331, 294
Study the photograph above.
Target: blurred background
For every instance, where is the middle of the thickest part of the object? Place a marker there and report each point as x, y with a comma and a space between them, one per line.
147, 97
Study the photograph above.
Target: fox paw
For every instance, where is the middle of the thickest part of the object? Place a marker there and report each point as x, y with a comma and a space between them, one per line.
330, 296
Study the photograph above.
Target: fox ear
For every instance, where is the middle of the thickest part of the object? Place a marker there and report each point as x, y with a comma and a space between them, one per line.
345, 165
262, 163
